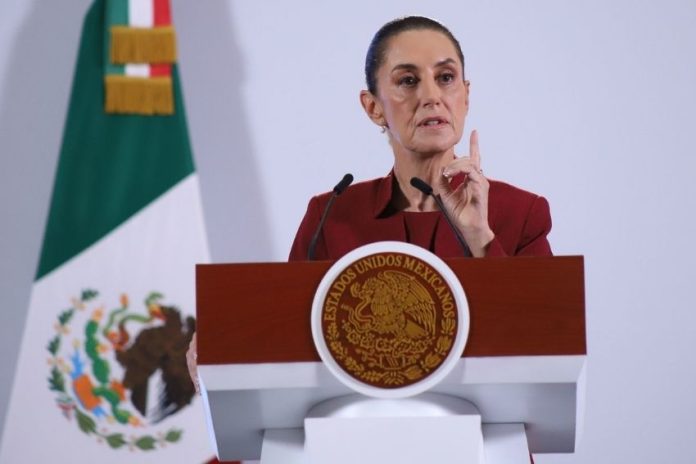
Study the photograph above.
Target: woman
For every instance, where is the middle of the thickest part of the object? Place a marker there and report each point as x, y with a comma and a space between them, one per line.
417, 93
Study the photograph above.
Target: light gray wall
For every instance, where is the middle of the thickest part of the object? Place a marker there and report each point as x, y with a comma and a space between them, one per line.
38, 47
588, 103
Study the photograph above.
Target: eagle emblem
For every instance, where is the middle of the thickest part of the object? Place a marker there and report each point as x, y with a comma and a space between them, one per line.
393, 303
389, 320
120, 370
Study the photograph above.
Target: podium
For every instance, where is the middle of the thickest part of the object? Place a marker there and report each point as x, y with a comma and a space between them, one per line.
523, 367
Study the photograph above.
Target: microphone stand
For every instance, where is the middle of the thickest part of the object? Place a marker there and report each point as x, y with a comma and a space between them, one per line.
337, 190
425, 188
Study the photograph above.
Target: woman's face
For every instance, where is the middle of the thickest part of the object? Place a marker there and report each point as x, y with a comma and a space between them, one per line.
422, 96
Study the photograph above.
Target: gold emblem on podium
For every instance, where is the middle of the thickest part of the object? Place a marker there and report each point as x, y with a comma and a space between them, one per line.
389, 319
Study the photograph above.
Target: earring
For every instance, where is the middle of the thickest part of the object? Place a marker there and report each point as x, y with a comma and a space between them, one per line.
383, 129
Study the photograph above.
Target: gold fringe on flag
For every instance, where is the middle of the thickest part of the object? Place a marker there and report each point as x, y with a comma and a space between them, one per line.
139, 95
143, 45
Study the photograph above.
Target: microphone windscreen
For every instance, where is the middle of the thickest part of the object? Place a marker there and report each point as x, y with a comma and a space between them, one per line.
421, 185
345, 182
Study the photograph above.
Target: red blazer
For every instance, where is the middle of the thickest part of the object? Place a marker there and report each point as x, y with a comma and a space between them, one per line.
360, 215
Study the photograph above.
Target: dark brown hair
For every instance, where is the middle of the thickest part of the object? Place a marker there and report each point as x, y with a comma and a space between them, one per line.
378, 46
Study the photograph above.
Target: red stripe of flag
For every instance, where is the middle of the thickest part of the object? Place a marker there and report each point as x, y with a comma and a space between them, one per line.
162, 15
162, 69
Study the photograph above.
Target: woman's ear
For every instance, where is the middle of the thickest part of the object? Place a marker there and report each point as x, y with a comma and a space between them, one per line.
372, 108
467, 84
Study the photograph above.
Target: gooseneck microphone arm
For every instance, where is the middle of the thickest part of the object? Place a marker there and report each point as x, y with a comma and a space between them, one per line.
426, 189
337, 190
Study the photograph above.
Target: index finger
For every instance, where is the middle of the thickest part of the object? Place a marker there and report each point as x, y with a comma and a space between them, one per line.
474, 152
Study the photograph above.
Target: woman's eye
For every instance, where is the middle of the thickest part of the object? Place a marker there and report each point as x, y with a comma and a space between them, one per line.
408, 81
447, 78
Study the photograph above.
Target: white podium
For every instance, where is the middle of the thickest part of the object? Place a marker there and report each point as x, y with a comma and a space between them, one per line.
517, 389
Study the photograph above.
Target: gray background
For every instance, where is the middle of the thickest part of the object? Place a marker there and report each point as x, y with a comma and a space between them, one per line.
588, 103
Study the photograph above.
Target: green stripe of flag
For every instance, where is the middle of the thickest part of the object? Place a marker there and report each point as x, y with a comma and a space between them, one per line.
116, 14
110, 166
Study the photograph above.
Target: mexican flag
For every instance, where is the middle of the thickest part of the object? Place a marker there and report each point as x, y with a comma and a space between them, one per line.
102, 374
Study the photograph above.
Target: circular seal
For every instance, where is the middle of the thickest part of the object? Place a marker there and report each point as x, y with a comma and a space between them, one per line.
390, 319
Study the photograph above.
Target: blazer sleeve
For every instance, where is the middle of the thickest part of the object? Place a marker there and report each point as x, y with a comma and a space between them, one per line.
532, 239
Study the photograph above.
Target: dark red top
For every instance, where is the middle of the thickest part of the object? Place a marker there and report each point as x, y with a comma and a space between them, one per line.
364, 214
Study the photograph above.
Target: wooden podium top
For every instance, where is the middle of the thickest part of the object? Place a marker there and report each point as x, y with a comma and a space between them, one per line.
260, 312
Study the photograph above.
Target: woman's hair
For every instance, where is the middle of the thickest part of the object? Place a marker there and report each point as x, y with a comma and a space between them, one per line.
378, 46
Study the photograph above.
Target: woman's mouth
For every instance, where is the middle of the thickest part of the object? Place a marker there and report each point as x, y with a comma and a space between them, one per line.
433, 123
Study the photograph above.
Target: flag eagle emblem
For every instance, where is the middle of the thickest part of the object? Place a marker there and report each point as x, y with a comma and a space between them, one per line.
118, 370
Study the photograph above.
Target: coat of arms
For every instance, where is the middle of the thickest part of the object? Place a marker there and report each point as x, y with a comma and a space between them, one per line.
119, 371
389, 320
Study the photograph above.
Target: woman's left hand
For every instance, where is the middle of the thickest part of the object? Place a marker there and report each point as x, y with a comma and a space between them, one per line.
467, 204
192, 363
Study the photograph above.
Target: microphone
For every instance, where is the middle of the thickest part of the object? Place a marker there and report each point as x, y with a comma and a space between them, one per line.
424, 187
345, 182
337, 190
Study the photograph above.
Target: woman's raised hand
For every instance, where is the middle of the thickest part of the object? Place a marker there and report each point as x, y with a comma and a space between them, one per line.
467, 204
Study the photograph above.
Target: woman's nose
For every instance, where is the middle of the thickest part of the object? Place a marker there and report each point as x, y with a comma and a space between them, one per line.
429, 92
